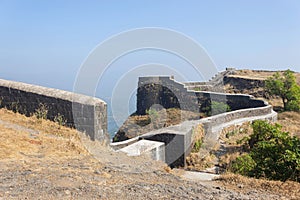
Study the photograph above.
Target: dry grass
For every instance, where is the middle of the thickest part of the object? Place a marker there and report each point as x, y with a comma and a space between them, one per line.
51, 140
44, 126
140, 124
196, 161
262, 75
232, 141
237, 182
197, 136
290, 122
252, 74
15, 143
276, 103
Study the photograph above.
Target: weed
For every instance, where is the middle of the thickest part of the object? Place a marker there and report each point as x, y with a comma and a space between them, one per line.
41, 112
1, 100
15, 106
231, 133
152, 112
59, 119
197, 88
197, 146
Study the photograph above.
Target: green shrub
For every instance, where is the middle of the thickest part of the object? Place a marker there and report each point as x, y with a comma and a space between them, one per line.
243, 165
274, 154
293, 105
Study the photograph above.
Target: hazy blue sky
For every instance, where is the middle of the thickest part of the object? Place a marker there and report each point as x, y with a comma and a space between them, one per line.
45, 42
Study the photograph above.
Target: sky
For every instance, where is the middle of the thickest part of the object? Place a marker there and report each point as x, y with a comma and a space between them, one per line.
46, 42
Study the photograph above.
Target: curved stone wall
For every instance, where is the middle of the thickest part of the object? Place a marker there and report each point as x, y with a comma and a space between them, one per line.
212, 128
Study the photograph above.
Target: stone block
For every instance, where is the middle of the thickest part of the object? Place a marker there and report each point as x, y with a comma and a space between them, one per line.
177, 143
156, 150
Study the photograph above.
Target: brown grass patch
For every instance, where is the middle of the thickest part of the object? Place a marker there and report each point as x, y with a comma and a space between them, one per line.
290, 122
140, 124
51, 139
256, 74
196, 161
289, 189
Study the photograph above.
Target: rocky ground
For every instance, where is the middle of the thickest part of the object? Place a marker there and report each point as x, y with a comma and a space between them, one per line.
85, 178
42, 160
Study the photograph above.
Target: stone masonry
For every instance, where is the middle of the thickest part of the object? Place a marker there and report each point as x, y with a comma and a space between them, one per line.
86, 114
169, 93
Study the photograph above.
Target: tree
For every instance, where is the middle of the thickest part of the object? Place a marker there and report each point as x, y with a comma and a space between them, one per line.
286, 87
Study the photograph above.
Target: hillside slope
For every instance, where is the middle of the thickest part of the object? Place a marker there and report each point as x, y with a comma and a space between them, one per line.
42, 160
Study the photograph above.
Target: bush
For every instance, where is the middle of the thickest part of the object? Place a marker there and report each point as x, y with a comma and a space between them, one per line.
293, 105
243, 165
274, 154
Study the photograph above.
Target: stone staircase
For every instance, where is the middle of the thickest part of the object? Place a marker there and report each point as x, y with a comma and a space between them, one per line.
215, 84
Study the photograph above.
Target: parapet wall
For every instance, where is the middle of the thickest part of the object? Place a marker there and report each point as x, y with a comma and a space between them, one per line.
178, 138
249, 114
168, 93
86, 114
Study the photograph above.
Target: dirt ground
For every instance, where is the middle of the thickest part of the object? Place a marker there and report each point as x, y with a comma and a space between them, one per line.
41, 160
259, 74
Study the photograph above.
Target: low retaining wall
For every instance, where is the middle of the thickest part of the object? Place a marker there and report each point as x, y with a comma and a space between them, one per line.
214, 125
238, 114
86, 114
178, 138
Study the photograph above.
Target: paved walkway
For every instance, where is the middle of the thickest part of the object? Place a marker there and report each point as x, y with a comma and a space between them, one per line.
198, 176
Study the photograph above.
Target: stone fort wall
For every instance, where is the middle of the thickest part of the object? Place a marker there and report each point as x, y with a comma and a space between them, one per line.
169, 93
86, 114
178, 141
